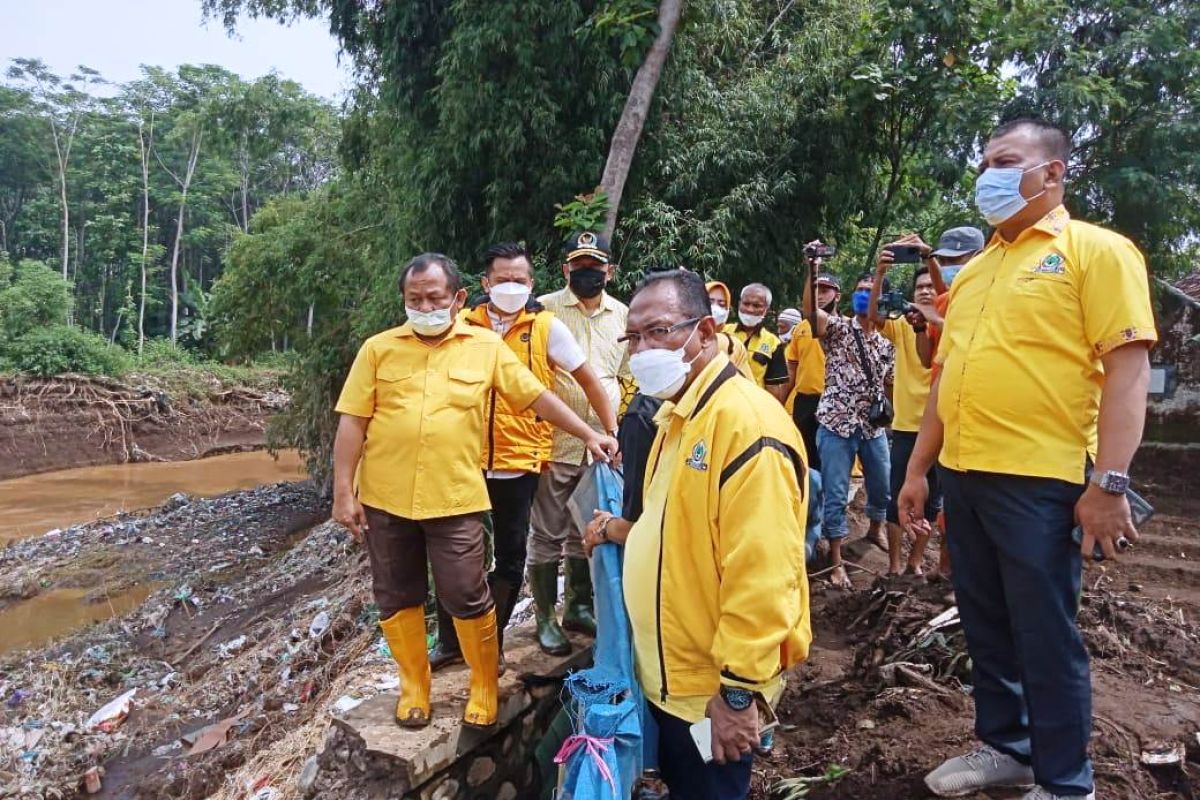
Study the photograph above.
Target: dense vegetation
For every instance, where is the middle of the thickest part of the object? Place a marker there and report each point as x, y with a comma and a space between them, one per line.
774, 122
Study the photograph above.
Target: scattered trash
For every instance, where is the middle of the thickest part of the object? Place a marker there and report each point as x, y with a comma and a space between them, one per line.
265, 793
92, 780
165, 751
307, 780
290, 708
110, 716
16, 698
866, 724
97, 653
256, 551
1164, 754
228, 649
52, 533
212, 736
346, 703
319, 626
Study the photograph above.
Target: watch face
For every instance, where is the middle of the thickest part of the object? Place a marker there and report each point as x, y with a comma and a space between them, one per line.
1114, 482
738, 699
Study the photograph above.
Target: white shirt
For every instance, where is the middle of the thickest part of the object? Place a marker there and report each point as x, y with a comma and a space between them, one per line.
565, 353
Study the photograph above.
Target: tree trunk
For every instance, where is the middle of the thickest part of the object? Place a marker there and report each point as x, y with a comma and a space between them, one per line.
637, 106
309, 327
144, 145
193, 157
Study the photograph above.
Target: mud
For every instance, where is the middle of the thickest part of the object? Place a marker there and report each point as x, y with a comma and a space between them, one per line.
74, 421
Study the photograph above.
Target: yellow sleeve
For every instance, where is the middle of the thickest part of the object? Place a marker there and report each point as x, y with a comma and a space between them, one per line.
888, 329
1115, 296
792, 352
764, 590
358, 393
515, 383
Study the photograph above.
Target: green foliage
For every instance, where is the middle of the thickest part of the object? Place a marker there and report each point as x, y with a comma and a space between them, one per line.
630, 25
584, 213
161, 354
797, 788
31, 295
59, 349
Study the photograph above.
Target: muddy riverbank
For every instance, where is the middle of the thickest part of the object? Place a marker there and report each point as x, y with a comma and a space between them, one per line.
75, 421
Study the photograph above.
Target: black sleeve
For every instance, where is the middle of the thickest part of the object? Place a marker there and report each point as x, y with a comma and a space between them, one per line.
635, 435
777, 371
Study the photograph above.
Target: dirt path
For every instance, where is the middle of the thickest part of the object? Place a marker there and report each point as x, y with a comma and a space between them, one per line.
888, 726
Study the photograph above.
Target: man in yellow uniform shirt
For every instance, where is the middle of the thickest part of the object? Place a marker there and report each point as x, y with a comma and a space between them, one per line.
766, 358
1044, 372
714, 566
411, 428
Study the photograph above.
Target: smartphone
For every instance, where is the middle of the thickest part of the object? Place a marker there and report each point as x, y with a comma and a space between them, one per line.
1139, 509
702, 730
904, 253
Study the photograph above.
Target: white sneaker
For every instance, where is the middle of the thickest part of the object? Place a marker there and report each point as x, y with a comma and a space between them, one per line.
1039, 793
977, 770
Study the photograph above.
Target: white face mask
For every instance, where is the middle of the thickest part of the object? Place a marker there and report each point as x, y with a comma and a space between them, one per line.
509, 297
750, 320
721, 315
998, 193
429, 323
661, 373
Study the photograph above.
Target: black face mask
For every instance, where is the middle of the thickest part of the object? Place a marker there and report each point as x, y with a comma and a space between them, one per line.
587, 282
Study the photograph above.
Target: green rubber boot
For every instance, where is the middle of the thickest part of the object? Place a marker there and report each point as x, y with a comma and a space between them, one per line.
579, 614
543, 582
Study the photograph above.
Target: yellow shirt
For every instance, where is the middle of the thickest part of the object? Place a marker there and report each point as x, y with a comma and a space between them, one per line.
1020, 352
910, 391
714, 575
760, 345
597, 334
805, 351
425, 403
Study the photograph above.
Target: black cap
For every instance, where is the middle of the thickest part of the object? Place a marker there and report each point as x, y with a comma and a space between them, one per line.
589, 244
830, 280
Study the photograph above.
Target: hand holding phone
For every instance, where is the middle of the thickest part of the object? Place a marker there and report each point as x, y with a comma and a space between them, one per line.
1140, 510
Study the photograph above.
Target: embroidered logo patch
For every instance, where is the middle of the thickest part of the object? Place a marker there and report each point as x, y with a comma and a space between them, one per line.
696, 459
1051, 265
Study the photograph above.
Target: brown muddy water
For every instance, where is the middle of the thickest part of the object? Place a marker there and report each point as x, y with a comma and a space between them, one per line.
51, 614
34, 504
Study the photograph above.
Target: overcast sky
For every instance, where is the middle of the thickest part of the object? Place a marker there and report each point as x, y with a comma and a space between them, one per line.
116, 36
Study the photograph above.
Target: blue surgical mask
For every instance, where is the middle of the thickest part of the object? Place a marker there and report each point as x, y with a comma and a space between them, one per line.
948, 273
998, 192
860, 301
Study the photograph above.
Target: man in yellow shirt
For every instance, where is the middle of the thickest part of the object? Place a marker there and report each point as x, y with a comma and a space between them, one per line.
714, 566
411, 429
1044, 373
767, 364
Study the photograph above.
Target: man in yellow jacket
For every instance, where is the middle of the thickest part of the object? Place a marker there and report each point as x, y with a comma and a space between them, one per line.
714, 567
407, 481
516, 444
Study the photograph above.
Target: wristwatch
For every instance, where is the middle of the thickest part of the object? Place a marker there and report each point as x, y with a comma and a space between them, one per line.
737, 699
603, 529
1111, 481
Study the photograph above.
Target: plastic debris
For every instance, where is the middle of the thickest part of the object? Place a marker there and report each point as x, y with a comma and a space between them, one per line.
346, 703
319, 626
16, 698
92, 782
110, 716
228, 649
1164, 754
212, 736
290, 708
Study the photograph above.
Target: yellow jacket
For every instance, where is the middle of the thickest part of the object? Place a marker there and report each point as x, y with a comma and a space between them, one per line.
518, 441
731, 593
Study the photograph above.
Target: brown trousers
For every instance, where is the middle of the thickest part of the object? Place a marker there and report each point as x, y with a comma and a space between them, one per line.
398, 549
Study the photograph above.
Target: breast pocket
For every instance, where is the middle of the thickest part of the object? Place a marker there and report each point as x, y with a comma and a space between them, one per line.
466, 388
1041, 307
394, 387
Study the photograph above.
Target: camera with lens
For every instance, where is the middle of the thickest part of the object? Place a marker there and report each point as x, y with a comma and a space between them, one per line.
819, 251
894, 305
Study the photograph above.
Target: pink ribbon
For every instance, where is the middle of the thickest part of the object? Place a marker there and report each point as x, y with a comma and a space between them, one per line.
595, 747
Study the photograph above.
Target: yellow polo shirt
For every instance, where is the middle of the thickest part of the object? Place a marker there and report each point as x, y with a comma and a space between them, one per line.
805, 351
910, 391
426, 408
760, 345
1020, 351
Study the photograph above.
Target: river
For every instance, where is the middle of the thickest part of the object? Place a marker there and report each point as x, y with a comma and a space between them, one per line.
34, 504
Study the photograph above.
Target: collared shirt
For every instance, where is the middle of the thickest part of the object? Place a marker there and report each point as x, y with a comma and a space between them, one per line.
910, 390
848, 396
597, 334
767, 363
805, 351
1025, 330
425, 402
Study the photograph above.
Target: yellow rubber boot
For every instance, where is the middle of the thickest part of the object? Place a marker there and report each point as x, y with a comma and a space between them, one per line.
481, 649
405, 634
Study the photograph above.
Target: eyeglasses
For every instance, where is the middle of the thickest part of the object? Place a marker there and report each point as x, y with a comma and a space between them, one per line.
658, 334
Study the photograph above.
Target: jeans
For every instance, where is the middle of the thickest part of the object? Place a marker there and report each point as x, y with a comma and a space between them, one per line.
1017, 578
684, 771
816, 500
837, 459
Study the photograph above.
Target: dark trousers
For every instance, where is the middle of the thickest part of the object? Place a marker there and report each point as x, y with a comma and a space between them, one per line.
398, 548
1017, 579
804, 414
903, 443
684, 771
